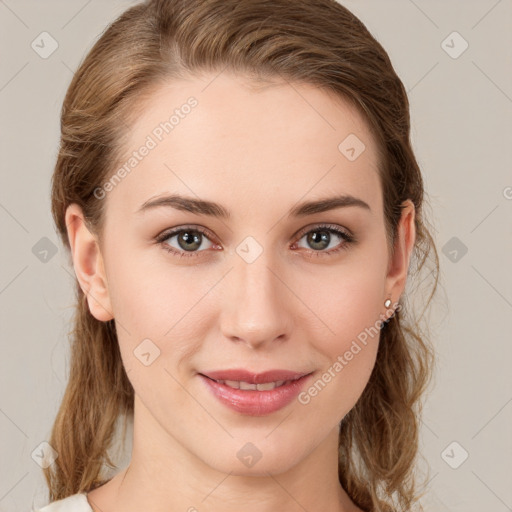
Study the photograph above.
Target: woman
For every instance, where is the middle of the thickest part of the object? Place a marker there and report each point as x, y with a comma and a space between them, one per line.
242, 207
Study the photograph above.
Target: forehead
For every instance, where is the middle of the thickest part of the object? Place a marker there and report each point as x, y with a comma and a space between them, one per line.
226, 138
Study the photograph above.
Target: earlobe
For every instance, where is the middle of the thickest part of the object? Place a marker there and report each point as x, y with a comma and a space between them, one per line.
404, 244
88, 264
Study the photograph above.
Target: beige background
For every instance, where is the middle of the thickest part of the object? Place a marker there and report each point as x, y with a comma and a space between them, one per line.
461, 113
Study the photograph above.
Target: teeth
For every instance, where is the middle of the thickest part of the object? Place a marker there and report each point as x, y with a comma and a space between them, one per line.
235, 384
246, 385
267, 386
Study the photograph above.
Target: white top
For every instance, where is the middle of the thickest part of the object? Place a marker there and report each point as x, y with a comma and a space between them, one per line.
74, 503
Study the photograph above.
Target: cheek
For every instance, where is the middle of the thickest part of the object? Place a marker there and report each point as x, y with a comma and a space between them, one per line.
149, 294
349, 300
159, 309
350, 306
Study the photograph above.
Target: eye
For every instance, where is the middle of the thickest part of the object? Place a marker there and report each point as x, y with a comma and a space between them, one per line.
189, 240
320, 238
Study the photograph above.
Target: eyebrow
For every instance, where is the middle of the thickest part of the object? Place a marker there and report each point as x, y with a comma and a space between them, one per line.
203, 207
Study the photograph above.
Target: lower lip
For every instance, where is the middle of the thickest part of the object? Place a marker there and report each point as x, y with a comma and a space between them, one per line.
253, 402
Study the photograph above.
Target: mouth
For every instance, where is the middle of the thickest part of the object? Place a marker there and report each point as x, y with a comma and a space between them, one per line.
240, 384
255, 394
246, 377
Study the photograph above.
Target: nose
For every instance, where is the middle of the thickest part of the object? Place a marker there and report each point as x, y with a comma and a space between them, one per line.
256, 307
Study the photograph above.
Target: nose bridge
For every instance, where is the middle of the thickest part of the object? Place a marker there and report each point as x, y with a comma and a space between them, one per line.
255, 310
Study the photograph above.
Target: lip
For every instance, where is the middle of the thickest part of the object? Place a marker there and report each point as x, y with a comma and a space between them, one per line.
254, 402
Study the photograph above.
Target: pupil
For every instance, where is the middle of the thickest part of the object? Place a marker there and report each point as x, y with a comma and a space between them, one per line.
313, 239
187, 238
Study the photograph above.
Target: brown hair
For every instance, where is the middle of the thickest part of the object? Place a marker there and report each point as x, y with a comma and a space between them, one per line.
317, 42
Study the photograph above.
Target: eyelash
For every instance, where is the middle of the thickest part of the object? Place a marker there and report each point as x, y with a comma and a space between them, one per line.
348, 239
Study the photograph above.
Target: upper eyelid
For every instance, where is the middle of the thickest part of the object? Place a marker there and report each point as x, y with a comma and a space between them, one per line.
326, 225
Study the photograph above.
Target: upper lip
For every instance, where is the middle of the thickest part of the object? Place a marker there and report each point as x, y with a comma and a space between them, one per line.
239, 374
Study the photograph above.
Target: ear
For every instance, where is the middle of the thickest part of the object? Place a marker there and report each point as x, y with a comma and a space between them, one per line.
88, 264
399, 263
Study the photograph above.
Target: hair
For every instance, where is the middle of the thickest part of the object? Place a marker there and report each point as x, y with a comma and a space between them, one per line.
316, 42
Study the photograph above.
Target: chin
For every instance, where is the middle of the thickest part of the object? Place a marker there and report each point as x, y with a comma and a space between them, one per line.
250, 461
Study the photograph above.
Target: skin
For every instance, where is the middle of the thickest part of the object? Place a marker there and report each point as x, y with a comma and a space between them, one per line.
257, 152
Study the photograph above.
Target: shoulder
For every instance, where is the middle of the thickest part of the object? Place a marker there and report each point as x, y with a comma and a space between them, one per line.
73, 503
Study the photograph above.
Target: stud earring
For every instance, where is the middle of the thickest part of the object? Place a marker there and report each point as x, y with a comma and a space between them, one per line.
387, 303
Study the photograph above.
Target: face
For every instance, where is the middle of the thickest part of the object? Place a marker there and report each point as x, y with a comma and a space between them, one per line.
259, 281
